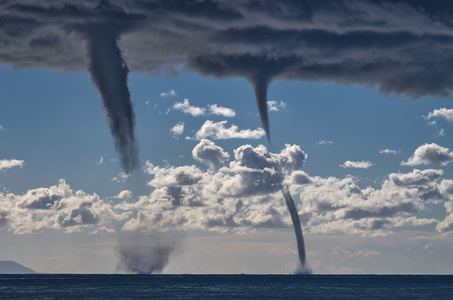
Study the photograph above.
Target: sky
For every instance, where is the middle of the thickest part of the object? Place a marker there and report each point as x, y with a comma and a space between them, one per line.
130, 131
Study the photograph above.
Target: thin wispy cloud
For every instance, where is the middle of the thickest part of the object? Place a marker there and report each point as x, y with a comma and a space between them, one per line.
218, 130
121, 177
196, 111
170, 93
430, 154
361, 253
356, 164
100, 161
324, 142
388, 151
441, 132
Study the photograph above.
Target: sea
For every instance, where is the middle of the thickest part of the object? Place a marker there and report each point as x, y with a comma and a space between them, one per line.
68, 286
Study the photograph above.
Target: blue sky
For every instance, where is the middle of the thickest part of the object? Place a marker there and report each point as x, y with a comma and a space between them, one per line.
57, 126
359, 103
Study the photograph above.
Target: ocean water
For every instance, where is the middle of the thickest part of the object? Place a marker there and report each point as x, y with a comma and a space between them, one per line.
43, 286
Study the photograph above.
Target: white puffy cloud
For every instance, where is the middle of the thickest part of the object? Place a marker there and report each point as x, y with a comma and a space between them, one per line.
388, 151
416, 177
446, 225
211, 154
356, 164
178, 129
245, 195
430, 154
240, 196
275, 105
444, 113
222, 111
170, 93
10, 163
334, 205
187, 109
218, 131
125, 194
56, 207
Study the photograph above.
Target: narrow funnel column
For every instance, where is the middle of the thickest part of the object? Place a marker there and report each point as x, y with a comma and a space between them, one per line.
260, 86
297, 230
109, 73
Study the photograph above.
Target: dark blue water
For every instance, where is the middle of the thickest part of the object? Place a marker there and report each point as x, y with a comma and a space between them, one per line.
44, 286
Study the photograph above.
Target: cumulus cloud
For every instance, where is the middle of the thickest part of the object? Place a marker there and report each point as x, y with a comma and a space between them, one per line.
56, 207
245, 194
430, 154
217, 130
210, 154
275, 105
239, 196
222, 111
10, 163
170, 93
444, 113
388, 151
178, 129
125, 194
356, 164
186, 108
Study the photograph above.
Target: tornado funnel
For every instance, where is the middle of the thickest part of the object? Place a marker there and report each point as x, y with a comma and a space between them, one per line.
297, 230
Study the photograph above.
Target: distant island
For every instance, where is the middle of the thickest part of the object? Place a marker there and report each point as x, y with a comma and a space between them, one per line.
11, 267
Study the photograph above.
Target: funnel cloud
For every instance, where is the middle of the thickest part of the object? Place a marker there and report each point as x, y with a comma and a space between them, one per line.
109, 73
303, 269
383, 43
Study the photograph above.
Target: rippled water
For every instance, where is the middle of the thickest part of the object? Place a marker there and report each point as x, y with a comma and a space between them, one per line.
43, 286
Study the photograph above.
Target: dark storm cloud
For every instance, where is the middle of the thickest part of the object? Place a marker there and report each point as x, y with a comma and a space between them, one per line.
398, 46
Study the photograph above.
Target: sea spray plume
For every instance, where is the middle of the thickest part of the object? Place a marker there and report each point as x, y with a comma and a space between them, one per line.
109, 73
303, 269
143, 259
